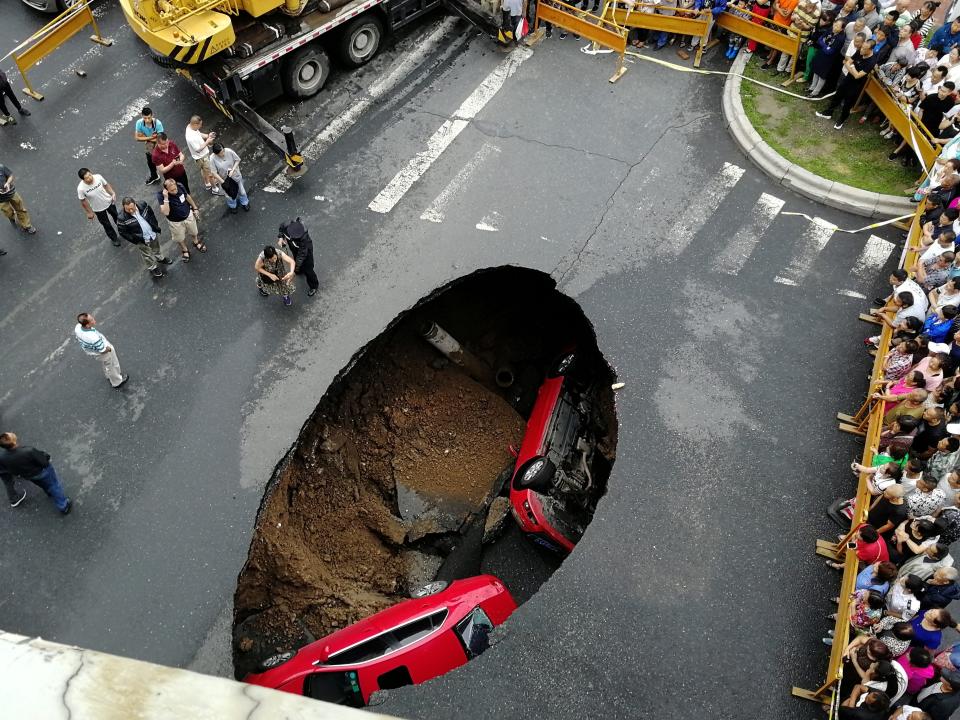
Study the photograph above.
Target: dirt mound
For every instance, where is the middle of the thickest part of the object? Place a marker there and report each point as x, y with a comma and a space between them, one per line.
406, 449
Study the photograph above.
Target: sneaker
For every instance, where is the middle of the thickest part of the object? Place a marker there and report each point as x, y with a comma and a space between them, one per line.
827, 641
311, 292
287, 300
157, 273
822, 115
549, 33
233, 210
30, 230
166, 261
2, 253
14, 504
563, 34
152, 180
892, 156
122, 382
246, 208
11, 120
216, 190
576, 37
24, 112
838, 126
68, 508
263, 292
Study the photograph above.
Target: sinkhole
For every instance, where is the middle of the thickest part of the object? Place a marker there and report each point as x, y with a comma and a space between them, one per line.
475, 435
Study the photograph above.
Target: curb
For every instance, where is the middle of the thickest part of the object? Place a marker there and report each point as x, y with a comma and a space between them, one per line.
792, 176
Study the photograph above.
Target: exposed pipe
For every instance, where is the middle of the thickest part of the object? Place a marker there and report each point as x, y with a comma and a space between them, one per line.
456, 353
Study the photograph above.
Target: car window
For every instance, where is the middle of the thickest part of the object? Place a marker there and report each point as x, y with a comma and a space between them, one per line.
389, 641
474, 632
341, 688
396, 678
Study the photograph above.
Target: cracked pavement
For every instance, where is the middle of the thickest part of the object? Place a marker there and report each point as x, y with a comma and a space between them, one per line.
696, 585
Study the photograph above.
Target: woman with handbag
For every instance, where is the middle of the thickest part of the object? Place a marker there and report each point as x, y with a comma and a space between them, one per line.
225, 164
274, 270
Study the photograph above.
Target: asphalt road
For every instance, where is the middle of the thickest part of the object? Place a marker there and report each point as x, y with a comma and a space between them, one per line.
694, 592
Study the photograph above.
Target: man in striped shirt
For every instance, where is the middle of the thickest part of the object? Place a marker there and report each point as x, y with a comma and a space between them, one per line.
94, 343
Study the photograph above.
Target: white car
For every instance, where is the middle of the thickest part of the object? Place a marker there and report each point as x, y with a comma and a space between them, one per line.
51, 6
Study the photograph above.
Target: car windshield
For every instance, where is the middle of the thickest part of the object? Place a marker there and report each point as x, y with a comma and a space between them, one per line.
389, 641
474, 632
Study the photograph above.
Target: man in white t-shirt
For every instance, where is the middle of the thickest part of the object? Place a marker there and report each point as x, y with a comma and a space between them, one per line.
198, 143
98, 200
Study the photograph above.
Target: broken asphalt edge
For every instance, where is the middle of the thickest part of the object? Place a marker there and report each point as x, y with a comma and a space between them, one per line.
790, 175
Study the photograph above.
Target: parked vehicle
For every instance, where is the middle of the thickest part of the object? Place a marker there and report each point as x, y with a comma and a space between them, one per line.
51, 6
556, 483
416, 640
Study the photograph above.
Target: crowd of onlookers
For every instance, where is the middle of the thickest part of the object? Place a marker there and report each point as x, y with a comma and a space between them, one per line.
899, 665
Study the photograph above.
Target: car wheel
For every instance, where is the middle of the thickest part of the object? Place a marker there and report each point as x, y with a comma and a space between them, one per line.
359, 41
305, 72
431, 588
536, 475
64, 4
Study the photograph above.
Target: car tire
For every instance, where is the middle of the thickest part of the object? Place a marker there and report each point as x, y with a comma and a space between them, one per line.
304, 73
537, 474
359, 41
62, 5
431, 588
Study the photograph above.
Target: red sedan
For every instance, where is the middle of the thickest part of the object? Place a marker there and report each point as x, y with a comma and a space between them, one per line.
555, 486
412, 642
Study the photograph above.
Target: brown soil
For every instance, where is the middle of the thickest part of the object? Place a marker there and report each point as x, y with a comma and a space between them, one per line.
327, 547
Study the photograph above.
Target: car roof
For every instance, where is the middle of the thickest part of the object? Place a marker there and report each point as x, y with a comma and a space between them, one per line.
462, 595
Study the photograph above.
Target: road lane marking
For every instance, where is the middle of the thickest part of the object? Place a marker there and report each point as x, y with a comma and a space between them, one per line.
130, 113
813, 241
872, 258
733, 257
852, 293
387, 199
338, 127
437, 209
699, 213
489, 222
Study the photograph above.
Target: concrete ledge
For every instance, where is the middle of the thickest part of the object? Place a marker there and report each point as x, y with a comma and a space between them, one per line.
790, 175
46, 680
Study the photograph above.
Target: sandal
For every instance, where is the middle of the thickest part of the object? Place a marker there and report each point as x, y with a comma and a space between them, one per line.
200, 246
185, 256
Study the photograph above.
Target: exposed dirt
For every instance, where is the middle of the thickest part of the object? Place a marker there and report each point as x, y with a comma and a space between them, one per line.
327, 544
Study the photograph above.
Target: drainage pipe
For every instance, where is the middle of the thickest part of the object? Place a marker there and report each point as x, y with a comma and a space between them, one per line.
456, 353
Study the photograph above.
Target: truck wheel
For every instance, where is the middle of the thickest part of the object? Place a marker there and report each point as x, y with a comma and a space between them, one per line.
359, 41
305, 72
163, 60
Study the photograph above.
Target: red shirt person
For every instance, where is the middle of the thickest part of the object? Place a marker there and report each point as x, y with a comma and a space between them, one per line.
871, 547
169, 160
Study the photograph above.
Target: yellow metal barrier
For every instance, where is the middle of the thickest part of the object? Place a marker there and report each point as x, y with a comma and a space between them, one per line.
870, 420
51, 36
642, 15
596, 29
766, 33
903, 121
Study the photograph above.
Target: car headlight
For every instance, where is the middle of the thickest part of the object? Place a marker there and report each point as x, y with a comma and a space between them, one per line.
274, 660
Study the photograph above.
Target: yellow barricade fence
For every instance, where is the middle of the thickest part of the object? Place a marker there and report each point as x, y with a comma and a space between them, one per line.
869, 422
902, 120
643, 15
594, 28
51, 36
764, 31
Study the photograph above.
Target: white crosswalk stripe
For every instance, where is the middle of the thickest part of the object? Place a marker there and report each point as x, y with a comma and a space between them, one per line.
732, 258
700, 212
872, 258
814, 240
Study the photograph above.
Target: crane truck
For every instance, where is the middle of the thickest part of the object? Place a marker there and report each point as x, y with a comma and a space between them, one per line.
243, 53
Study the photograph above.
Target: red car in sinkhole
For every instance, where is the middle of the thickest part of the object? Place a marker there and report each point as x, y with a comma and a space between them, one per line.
416, 640
559, 475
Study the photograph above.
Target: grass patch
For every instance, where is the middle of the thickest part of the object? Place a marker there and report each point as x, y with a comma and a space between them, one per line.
855, 155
